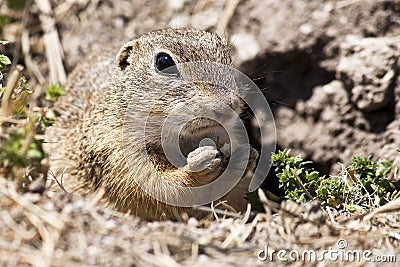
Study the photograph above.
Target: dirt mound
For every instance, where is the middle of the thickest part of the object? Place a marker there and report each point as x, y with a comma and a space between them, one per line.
333, 72
354, 114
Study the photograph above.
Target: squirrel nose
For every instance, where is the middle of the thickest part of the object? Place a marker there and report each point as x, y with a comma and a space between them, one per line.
223, 112
222, 95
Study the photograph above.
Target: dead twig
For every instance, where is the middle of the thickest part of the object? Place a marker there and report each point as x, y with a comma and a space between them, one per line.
12, 83
300, 183
229, 10
32, 68
60, 183
218, 212
16, 52
49, 238
393, 205
241, 231
13, 121
54, 51
23, 202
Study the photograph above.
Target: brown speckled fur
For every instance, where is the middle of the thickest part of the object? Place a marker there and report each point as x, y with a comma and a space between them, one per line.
88, 136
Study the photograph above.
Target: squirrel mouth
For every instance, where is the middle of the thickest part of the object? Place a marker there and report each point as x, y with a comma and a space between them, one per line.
199, 125
197, 130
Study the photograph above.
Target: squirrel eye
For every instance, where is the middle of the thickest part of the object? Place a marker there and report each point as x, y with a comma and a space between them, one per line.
164, 62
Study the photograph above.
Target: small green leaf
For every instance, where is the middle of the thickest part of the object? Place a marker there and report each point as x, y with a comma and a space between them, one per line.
16, 4
35, 153
3, 21
4, 61
53, 92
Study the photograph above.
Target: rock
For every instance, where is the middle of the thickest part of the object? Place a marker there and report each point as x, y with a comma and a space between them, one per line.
353, 115
368, 68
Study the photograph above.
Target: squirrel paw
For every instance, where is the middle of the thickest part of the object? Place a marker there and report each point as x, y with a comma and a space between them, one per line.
253, 157
205, 162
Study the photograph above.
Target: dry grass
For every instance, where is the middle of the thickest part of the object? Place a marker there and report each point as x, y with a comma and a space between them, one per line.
58, 229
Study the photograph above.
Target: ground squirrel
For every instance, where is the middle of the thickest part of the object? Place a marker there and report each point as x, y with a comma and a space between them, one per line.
88, 137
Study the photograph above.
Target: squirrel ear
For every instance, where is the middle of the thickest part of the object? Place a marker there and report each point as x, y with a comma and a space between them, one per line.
122, 60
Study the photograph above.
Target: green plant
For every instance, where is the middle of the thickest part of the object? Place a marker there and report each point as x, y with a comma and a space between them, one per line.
53, 92
362, 186
3, 22
373, 176
20, 150
16, 4
15, 152
21, 132
296, 177
331, 192
4, 60
252, 198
